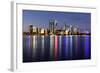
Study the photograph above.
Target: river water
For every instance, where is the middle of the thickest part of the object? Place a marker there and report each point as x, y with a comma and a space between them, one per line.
56, 48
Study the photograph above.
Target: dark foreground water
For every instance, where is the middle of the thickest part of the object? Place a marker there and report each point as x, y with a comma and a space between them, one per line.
56, 48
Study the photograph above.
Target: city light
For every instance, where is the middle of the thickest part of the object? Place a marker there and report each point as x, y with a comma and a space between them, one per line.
56, 36
53, 30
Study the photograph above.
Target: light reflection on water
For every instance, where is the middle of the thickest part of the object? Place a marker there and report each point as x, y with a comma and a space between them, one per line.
55, 48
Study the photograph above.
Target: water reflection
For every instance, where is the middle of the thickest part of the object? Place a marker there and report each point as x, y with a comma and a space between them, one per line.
54, 48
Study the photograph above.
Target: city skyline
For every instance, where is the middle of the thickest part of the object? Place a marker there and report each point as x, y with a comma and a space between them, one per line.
41, 19
56, 36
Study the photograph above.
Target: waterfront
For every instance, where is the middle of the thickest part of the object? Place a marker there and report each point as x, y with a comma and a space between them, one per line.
38, 48
56, 36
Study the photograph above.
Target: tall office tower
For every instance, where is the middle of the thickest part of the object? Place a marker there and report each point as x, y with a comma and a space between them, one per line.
52, 26
70, 29
31, 29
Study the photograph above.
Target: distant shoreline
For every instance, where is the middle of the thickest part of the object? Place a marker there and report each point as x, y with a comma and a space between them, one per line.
55, 34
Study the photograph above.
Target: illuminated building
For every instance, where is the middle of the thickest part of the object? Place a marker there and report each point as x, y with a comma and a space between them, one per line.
31, 28
52, 26
65, 29
38, 30
42, 31
53, 30
66, 32
73, 30
34, 30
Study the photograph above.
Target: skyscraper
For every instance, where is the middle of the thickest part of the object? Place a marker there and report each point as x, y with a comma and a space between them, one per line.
52, 25
31, 28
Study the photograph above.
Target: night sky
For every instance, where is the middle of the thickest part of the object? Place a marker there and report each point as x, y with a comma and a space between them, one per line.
41, 19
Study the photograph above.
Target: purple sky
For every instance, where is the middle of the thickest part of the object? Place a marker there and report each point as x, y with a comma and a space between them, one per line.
41, 19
